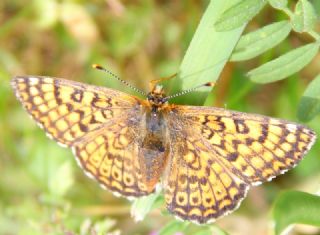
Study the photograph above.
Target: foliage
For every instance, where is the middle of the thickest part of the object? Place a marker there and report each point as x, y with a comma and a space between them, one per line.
42, 189
296, 207
309, 105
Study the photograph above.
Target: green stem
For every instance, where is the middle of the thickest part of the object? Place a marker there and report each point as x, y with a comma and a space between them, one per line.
313, 34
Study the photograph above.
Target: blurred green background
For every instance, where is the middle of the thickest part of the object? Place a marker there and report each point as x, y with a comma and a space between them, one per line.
42, 190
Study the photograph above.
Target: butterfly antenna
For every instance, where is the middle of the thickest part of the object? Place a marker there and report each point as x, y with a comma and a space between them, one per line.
208, 84
99, 67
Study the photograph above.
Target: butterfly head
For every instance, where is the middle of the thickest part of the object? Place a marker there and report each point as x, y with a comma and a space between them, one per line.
157, 97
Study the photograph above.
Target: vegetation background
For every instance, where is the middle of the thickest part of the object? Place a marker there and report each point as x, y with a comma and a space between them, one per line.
43, 191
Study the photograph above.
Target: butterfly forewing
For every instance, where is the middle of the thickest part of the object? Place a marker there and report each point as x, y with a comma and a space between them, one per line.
99, 124
216, 154
68, 110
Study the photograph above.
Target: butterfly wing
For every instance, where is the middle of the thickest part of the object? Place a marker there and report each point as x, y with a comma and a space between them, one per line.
217, 154
98, 123
112, 155
198, 187
68, 110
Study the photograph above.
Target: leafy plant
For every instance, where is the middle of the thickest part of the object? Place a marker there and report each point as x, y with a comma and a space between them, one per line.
302, 20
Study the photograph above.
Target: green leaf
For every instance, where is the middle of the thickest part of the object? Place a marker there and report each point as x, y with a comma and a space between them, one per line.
261, 40
278, 4
217, 231
142, 206
205, 230
206, 56
284, 65
304, 18
173, 227
239, 14
309, 105
294, 207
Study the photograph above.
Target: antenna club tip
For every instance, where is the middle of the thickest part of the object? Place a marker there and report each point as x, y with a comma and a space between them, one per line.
96, 66
211, 84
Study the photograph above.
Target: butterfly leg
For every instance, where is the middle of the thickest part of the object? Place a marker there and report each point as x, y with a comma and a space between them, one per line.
154, 82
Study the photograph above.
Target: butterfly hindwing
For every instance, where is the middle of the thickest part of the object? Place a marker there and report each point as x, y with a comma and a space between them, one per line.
198, 187
112, 156
239, 149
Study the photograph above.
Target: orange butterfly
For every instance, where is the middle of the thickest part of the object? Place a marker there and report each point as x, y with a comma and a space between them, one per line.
207, 157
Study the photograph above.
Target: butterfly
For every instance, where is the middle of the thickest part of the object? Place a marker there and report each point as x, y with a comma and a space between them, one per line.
206, 158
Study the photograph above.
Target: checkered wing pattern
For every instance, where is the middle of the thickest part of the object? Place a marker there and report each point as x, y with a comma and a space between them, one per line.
216, 154
99, 124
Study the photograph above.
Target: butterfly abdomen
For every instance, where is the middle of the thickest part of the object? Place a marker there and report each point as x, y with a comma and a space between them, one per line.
154, 149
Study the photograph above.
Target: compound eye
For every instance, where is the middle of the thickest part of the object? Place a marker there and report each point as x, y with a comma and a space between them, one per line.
150, 97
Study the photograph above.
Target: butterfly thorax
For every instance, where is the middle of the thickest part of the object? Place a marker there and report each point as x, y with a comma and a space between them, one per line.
157, 99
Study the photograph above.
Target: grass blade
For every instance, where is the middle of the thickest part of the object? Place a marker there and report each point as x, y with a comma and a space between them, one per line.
207, 54
239, 14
